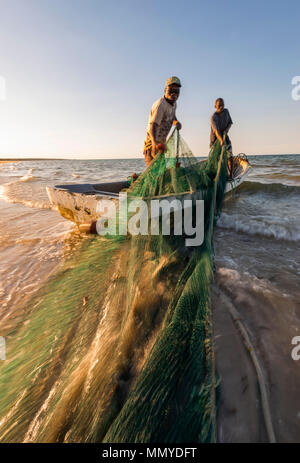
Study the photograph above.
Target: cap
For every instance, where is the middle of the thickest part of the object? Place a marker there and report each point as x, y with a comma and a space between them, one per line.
173, 81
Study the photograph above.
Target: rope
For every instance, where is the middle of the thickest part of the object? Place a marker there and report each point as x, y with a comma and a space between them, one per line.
260, 377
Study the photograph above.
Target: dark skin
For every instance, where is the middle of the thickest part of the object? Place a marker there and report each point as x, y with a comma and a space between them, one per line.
219, 109
171, 94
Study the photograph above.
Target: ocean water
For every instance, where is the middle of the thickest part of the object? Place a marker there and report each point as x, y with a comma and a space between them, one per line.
257, 252
34, 238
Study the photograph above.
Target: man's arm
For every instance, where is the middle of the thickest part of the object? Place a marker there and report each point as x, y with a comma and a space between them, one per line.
215, 130
153, 136
177, 123
157, 113
229, 123
153, 133
228, 128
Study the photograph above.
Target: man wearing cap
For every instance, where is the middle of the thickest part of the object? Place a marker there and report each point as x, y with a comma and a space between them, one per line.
162, 117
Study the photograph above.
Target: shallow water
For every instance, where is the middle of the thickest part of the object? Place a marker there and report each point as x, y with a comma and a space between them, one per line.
34, 238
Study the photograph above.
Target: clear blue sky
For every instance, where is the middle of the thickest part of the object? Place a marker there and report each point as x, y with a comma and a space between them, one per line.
81, 75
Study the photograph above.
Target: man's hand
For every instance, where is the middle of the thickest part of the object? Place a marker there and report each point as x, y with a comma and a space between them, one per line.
158, 148
161, 147
227, 129
219, 138
221, 141
177, 124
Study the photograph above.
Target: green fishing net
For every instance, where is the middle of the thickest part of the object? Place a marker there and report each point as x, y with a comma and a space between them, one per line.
134, 363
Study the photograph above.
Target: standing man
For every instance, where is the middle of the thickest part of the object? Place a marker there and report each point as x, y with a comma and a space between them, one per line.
162, 117
220, 125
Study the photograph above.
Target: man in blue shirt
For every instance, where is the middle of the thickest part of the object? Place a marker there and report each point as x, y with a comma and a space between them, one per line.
220, 125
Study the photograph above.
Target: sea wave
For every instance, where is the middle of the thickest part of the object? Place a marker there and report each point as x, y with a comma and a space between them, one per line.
244, 283
10, 195
269, 188
261, 226
27, 178
29, 203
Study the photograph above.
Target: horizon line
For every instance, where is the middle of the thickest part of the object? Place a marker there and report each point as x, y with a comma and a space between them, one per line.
120, 159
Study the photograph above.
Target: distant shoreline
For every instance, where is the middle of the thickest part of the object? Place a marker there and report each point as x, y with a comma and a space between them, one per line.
3, 161
6, 160
28, 159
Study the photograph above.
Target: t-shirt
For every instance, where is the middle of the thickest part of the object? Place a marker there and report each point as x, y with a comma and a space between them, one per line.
163, 114
219, 122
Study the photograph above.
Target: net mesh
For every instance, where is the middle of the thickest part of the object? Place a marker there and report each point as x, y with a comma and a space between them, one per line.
173, 398
136, 363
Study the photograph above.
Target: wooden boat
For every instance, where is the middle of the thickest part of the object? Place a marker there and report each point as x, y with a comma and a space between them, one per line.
79, 202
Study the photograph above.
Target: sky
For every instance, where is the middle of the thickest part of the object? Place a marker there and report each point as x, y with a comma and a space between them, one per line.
78, 77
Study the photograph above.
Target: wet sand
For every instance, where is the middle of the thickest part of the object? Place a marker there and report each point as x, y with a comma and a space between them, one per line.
268, 304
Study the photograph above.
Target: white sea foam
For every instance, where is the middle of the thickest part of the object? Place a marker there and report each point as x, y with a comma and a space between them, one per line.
10, 193
263, 226
27, 177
